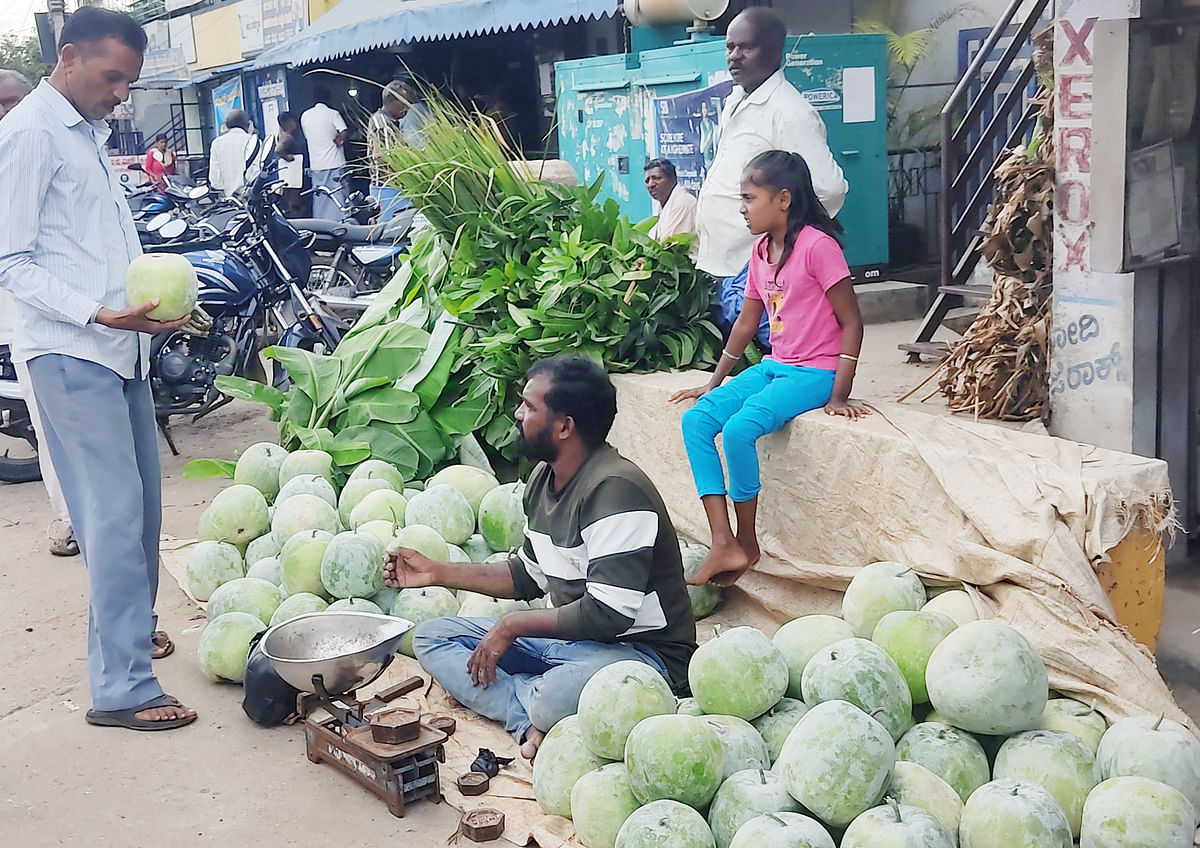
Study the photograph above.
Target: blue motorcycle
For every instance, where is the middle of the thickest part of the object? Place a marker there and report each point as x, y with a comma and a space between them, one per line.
253, 288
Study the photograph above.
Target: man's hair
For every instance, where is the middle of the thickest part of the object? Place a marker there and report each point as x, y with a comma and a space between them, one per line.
664, 165
16, 77
322, 94
581, 389
769, 26
91, 23
399, 90
284, 117
161, 137
239, 119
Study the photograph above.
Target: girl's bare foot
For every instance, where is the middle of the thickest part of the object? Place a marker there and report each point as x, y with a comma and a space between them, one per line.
533, 741
750, 549
725, 563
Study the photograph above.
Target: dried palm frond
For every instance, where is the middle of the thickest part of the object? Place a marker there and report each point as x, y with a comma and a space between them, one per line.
1000, 367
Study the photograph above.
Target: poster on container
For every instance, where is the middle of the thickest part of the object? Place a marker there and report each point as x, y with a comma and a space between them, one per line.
226, 97
686, 129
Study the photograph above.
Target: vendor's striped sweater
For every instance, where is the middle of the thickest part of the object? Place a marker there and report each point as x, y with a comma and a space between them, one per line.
605, 552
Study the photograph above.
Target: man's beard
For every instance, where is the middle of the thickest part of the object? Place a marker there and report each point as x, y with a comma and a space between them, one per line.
538, 447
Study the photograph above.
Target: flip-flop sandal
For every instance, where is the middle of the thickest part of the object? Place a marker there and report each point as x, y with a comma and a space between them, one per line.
129, 720
162, 645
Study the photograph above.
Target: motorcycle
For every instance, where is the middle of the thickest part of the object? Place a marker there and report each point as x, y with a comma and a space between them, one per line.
251, 284
253, 289
15, 425
351, 261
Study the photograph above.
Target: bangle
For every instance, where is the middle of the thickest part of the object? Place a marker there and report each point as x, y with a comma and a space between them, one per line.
848, 356
729, 355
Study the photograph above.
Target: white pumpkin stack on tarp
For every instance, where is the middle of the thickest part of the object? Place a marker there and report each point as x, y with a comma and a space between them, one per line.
996, 763
290, 538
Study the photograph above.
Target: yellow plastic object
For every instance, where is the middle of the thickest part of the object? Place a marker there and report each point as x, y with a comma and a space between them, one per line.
1135, 580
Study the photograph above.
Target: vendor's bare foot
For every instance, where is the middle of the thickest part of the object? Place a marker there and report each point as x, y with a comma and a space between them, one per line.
533, 741
724, 564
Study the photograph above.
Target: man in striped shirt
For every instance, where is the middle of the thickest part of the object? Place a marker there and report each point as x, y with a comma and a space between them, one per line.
599, 545
66, 240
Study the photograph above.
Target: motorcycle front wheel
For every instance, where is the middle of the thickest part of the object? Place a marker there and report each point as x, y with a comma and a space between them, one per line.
18, 454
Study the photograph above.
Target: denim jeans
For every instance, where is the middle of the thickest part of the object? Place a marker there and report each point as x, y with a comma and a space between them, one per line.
758, 401
731, 292
538, 681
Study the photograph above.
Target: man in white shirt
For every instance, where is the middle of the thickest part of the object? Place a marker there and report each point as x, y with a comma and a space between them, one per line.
326, 132
673, 204
232, 154
13, 89
66, 240
764, 112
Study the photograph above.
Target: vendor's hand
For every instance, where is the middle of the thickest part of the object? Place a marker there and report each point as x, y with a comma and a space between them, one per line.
851, 409
482, 664
133, 319
199, 323
407, 569
689, 394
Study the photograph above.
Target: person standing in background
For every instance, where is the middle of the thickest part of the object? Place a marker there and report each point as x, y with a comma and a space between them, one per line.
160, 162
232, 153
326, 132
66, 240
384, 133
291, 150
13, 88
763, 113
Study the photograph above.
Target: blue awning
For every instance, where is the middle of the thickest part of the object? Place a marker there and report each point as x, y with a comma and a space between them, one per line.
210, 73
355, 26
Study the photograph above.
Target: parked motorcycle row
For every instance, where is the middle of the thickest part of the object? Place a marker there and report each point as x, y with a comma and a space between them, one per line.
264, 279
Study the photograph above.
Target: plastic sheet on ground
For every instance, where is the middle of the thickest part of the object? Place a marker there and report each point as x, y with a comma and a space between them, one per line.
1022, 519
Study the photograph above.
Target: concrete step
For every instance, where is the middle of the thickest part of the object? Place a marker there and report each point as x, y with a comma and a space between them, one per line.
893, 300
959, 319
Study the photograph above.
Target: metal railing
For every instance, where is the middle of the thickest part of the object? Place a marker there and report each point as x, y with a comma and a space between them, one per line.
973, 121
914, 187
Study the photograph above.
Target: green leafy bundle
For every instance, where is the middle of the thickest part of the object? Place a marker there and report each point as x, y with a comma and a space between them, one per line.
537, 269
383, 393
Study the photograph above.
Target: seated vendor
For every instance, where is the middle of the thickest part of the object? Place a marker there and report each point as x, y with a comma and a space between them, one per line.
599, 543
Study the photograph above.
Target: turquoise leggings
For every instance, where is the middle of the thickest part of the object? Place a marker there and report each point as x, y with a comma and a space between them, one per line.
758, 401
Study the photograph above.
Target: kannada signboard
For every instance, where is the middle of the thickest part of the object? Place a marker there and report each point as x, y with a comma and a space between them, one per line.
226, 97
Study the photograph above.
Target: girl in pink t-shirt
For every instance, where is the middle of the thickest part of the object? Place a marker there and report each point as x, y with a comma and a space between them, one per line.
799, 276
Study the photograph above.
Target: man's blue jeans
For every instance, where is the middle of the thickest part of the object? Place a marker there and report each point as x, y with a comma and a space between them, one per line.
538, 681
731, 292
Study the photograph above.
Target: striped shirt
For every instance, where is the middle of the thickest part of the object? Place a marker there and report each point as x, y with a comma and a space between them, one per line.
66, 235
605, 551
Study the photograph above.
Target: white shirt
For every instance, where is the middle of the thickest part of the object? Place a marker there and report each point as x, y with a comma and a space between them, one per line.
775, 116
677, 215
229, 159
321, 124
66, 235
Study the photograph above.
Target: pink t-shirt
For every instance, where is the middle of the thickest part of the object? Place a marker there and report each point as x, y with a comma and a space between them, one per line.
804, 329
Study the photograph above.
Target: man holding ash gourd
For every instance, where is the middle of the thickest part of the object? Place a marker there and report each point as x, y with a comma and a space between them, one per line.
599, 543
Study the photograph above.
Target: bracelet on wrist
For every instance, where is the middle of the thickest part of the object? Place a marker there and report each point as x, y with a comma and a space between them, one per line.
847, 356
728, 355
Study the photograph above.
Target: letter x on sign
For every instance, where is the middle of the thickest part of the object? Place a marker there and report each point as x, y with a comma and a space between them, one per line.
1077, 42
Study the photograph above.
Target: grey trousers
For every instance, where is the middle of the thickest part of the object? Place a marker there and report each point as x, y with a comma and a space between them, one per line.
101, 434
324, 206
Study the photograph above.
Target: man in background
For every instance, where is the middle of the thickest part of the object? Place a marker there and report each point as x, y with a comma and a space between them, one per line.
232, 153
764, 112
673, 204
384, 133
66, 240
291, 150
326, 132
13, 88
